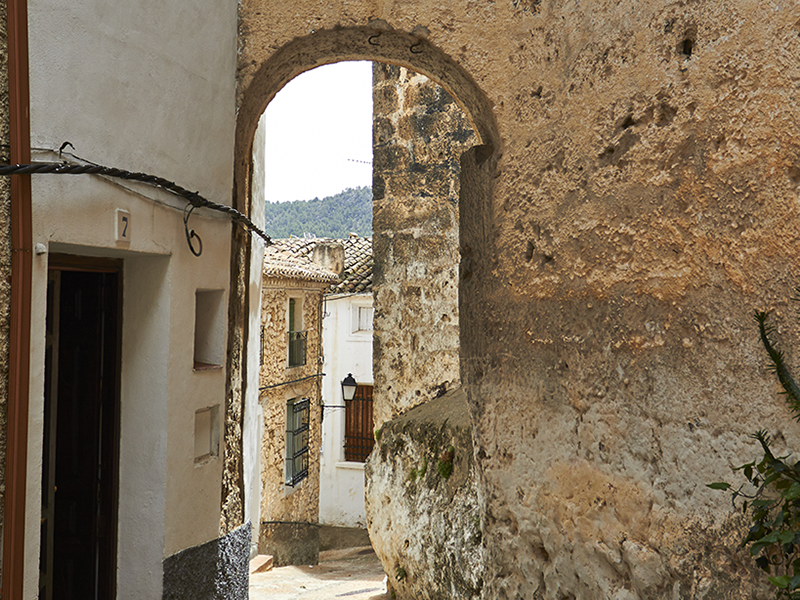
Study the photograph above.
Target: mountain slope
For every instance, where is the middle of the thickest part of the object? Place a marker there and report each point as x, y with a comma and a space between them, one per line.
336, 216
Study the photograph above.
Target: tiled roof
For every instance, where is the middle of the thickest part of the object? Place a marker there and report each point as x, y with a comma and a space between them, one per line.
357, 276
292, 258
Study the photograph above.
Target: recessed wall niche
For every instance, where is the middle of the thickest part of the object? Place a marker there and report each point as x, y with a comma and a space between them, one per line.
206, 433
209, 329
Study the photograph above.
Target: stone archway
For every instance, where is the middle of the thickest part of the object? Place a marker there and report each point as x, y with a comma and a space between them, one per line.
385, 46
356, 43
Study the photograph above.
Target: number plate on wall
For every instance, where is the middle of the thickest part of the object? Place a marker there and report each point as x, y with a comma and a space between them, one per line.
123, 226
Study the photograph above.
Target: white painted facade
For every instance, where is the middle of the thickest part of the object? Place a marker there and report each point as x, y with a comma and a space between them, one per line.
347, 349
146, 87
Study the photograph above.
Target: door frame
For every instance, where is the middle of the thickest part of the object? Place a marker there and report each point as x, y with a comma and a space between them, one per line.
90, 264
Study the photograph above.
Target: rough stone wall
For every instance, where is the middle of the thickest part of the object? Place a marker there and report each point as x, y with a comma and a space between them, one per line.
282, 505
419, 134
424, 517
634, 200
232, 500
5, 259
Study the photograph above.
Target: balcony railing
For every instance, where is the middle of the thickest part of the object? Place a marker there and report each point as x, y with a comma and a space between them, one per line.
297, 348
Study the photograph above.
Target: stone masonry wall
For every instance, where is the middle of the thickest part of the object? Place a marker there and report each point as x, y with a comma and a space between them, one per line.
285, 510
5, 259
419, 134
634, 199
424, 516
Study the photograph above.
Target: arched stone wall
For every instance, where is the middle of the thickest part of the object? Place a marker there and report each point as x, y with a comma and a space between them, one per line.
374, 43
378, 43
645, 202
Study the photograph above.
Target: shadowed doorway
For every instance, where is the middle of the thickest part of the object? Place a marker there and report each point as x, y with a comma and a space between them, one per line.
81, 432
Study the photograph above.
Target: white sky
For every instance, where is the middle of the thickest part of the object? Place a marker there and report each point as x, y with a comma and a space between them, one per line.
317, 122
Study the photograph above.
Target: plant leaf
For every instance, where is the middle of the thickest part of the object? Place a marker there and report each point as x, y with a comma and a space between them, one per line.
720, 485
781, 581
794, 582
793, 492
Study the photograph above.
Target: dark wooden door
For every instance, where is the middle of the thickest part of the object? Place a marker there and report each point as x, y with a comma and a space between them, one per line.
80, 471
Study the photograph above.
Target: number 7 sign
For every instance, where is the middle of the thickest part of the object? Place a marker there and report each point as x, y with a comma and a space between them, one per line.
123, 226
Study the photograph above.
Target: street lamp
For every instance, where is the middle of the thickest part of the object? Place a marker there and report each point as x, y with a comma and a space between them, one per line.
348, 387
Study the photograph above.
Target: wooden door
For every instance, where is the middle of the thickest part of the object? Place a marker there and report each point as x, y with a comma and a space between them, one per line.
80, 470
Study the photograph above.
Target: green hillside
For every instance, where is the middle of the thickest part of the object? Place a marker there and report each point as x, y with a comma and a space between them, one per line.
336, 216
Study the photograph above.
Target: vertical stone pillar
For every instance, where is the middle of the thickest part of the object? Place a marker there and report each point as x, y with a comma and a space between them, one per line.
419, 134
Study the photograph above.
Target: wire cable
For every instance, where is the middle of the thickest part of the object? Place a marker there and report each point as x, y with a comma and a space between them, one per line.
194, 198
274, 385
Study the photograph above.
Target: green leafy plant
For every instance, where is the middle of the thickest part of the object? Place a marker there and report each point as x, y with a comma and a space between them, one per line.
773, 499
400, 573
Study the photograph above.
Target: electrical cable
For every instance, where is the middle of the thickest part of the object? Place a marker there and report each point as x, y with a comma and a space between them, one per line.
274, 385
193, 198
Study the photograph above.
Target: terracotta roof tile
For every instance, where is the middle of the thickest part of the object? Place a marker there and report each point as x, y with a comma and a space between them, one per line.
357, 276
292, 258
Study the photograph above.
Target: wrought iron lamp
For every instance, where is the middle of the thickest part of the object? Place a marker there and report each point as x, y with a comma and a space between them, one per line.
349, 387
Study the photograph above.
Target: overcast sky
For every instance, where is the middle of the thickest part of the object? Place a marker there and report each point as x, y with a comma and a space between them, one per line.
316, 127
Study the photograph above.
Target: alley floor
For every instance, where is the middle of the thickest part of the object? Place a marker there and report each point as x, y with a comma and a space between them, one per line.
350, 574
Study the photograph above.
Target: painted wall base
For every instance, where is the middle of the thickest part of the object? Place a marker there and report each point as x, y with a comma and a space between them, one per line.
217, 569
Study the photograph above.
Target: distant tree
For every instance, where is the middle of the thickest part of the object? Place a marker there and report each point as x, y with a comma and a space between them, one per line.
336, 216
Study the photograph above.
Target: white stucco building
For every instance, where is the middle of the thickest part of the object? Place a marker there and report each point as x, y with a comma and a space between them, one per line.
130, 333
347, 434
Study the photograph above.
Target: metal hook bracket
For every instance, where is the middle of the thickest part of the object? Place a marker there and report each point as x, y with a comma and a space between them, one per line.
190, 233
416, 45
375, 38
61, 149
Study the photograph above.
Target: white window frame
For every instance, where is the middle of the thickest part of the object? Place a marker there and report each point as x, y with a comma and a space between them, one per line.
355, 313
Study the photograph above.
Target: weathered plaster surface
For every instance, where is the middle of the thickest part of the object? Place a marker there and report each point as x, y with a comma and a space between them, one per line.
632, 205
423, 510
253, 413
419, 134
281, 503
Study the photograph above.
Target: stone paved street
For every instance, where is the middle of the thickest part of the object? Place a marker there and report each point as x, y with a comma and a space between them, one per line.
350, 574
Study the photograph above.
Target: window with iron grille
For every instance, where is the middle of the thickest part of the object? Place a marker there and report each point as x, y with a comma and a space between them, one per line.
358, 436
297, 338
297, 431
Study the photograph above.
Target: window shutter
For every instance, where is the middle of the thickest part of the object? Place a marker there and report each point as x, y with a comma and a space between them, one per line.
358, 438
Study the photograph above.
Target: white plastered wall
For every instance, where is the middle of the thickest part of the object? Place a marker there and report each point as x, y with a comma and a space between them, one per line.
253, 411
341, 493
144, 87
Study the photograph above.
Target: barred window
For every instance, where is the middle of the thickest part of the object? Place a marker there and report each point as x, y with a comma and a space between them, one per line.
298, 412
